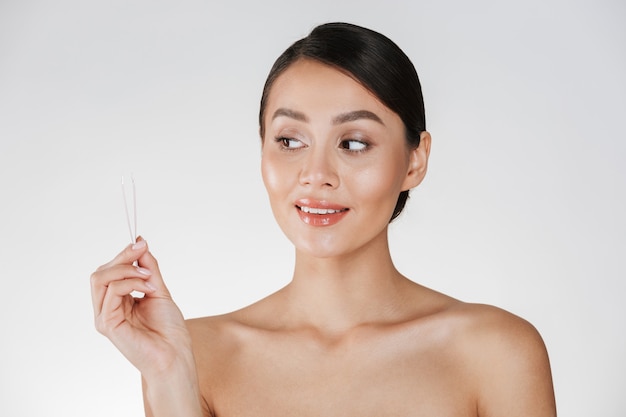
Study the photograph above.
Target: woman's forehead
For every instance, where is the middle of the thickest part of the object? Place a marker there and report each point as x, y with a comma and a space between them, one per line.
312, 86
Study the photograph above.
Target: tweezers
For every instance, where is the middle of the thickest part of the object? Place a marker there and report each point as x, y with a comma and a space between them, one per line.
131, 229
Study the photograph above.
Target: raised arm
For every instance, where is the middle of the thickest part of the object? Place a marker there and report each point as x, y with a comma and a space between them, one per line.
149, 331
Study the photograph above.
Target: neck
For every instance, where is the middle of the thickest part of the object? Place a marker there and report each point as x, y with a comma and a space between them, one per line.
339, 293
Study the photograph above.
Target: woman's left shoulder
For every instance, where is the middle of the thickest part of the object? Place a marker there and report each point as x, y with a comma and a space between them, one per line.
507, 359
487, 327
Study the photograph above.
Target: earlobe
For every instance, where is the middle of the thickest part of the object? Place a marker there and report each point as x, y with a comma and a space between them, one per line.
418, 163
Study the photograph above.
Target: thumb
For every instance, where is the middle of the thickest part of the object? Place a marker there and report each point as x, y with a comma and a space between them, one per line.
147, 260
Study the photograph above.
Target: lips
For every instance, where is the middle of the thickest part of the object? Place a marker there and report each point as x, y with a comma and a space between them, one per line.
314, 210
320, 213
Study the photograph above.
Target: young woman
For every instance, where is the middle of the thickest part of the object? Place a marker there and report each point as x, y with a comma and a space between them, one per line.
344, 139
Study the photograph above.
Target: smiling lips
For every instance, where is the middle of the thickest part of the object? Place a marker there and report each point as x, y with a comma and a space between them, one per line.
320, 213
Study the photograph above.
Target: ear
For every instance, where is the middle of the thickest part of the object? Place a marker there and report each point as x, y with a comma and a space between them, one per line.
418, 163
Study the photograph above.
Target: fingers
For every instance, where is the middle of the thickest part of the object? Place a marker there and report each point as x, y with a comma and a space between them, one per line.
129, 255
146, 260
101, 281
121, 268
113, 313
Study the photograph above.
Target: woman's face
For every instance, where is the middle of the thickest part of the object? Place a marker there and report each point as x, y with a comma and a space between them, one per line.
334, 160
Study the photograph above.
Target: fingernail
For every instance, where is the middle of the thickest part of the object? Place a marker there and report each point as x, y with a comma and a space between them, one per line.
150, 286
143, 271
139, 245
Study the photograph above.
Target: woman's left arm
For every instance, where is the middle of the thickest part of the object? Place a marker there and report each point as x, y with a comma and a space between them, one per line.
513, 369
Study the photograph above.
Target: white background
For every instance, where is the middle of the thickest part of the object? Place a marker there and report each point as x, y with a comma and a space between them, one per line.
523, 207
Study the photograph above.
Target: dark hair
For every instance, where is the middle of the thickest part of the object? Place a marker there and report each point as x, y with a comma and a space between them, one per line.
371, 59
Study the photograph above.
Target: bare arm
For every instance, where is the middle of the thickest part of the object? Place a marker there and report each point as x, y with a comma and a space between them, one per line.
513, 370
149, 331
176, 393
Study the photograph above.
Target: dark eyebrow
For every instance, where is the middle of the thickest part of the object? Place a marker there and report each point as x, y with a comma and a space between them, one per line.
291, 114
342, 118
356, 115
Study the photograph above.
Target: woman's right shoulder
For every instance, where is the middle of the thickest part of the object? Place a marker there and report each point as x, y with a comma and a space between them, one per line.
237, 326
212, 331
223, 334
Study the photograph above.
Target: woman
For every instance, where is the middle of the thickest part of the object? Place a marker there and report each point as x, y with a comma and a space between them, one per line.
343, 140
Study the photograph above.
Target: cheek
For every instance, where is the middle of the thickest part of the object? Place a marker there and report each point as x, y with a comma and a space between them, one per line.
268, 174
382, 183
377, 193
273, 177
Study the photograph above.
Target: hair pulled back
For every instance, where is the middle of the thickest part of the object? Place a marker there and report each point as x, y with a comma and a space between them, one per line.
373, 60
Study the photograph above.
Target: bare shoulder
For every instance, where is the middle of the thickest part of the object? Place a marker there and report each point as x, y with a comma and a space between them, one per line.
485, 326
481, 332
507, 358
214, 336
216, 341
208, 327
234, 327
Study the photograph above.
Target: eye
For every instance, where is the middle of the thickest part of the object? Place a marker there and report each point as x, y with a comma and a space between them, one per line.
353, 145
289, 143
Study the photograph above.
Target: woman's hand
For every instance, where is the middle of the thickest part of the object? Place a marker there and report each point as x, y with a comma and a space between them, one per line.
149, 331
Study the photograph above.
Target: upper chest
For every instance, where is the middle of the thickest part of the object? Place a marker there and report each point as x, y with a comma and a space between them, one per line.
368, 373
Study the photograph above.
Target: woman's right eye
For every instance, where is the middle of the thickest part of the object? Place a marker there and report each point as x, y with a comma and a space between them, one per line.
289, 143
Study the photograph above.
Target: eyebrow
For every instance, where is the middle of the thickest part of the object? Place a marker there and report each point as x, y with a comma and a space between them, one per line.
337, 120
356, 115
292, 114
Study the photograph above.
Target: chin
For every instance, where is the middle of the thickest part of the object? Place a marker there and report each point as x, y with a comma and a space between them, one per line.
321, 247
331, 241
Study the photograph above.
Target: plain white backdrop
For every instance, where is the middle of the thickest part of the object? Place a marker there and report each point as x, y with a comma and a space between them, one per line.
523, 206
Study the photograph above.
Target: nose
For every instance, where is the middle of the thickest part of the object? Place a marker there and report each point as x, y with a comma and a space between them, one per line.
319, 170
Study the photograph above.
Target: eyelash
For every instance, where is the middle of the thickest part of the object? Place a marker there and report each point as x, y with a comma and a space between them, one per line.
283, 143
344, 142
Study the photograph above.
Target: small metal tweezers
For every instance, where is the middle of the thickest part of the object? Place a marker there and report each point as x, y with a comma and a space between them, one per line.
132, 230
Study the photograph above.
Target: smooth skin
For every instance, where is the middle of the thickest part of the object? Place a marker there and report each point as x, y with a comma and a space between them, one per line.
349, 335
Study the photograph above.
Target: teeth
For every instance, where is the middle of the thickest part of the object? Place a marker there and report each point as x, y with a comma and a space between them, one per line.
313, 210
